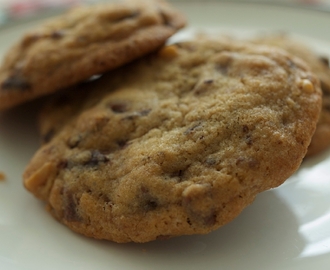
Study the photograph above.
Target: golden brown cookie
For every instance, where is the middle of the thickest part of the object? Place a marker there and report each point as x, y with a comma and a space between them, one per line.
87, 40
177, 143
320, 66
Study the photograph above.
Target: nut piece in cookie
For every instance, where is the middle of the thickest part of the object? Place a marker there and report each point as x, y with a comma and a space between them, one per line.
320, 66
87, 40
177, 143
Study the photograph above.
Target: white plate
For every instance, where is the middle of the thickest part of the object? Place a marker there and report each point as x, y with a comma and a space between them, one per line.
286, 228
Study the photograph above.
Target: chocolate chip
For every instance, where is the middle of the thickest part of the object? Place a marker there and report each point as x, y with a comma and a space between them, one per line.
96, 158
62, 164
166, 19
211, 219
179, 173
145, 112
248, 140
223, 64
74, 141
57, 34
291, 64
118, 107
210, 161
147, 201
150, 205
326, 104
16, 82
130, 117
209, 81
135, 115
202, 87
103, 197
189, 221
239, 161
325, 88
46, 138
223, 69
70, 207
192, 129
324, 60
31, 38
122, 143
144, 189
87, 158
327, 107
245, 129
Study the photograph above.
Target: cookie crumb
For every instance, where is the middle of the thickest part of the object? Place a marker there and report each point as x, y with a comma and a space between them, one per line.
2, 176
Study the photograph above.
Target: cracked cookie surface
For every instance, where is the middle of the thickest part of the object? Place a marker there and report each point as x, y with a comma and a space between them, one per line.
177, 143
320, 66
87, 40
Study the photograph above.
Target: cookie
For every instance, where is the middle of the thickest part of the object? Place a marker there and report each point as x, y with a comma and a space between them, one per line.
2, 176
88, 40
176, 143
320, 66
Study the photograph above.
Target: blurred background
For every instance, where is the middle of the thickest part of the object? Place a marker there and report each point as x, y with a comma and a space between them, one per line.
11, 10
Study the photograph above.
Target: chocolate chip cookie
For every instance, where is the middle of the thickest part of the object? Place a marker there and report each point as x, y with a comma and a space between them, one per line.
87, 40
320, 66
176, 143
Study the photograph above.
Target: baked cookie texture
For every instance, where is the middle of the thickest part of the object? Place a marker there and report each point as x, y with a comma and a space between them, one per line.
177, 143
320, 66
87, 40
